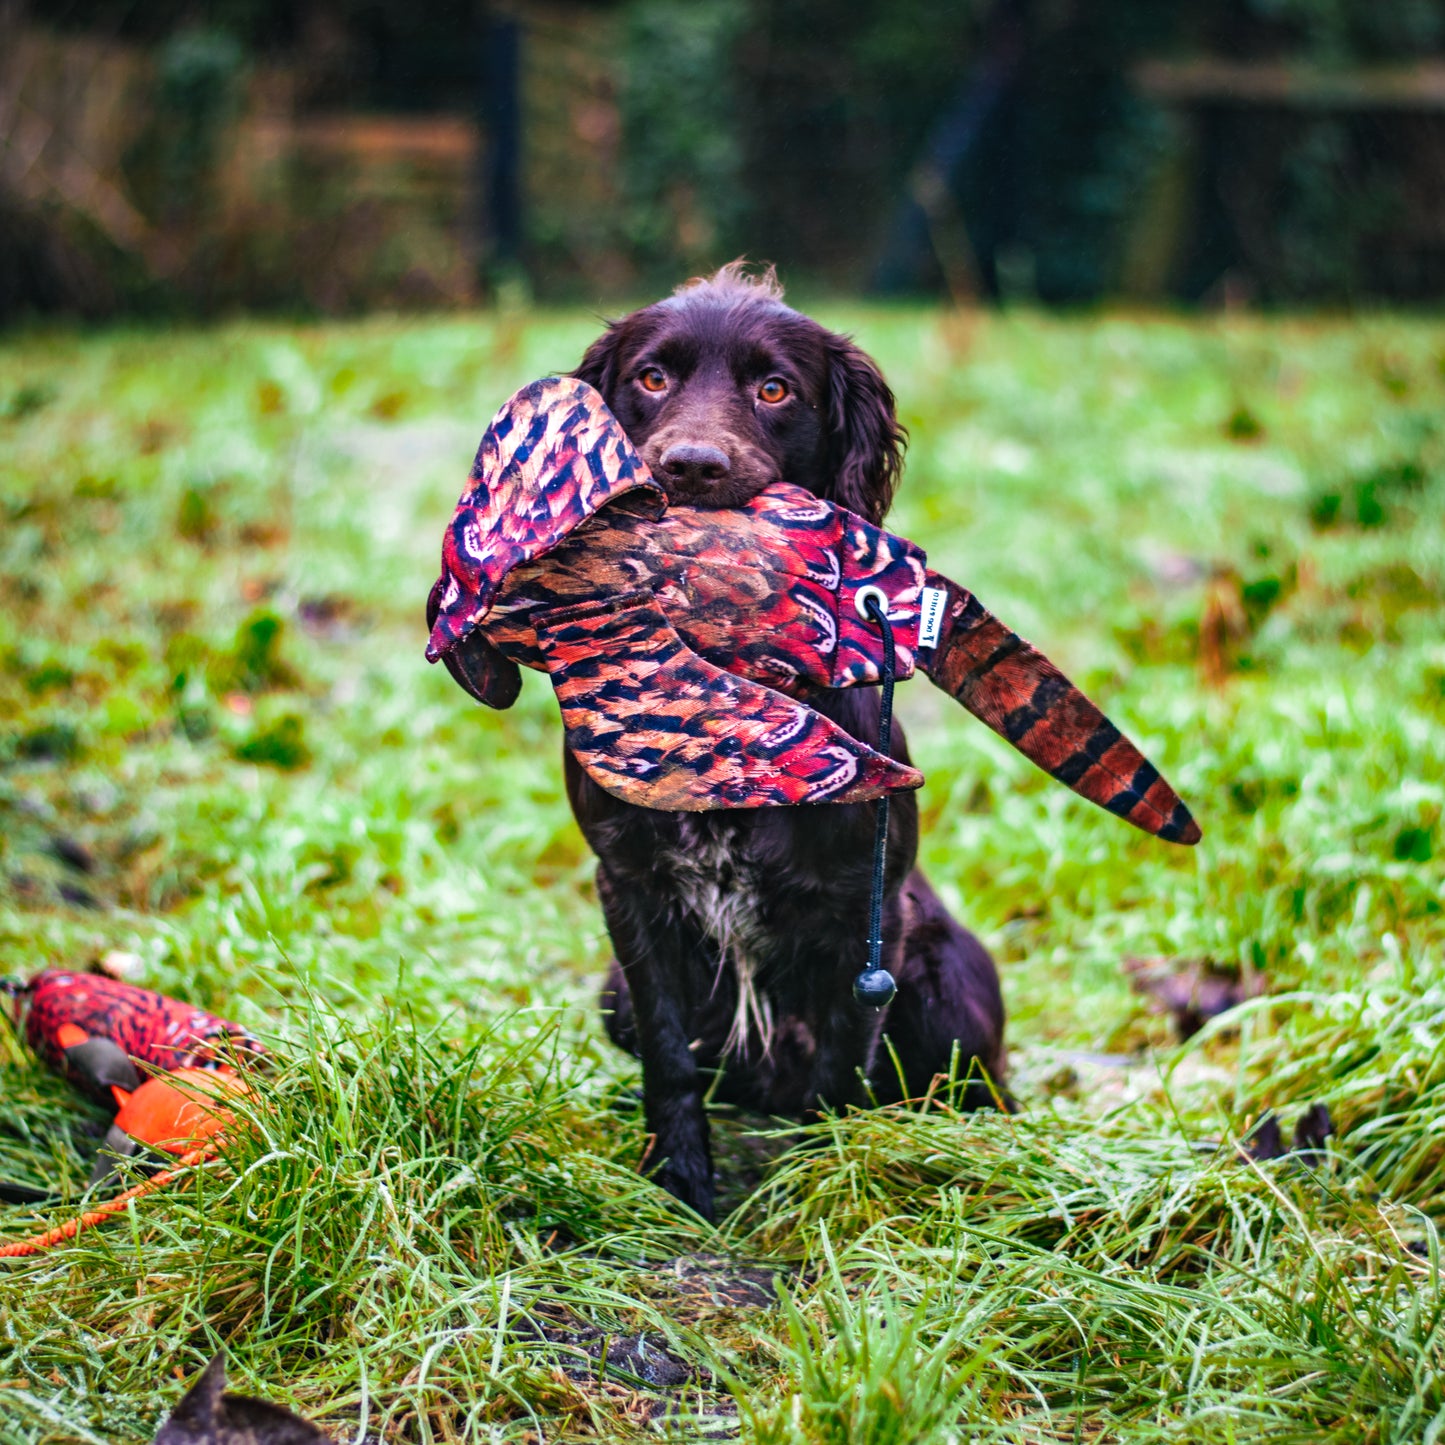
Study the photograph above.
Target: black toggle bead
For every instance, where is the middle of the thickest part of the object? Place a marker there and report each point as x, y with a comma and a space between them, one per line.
874, 988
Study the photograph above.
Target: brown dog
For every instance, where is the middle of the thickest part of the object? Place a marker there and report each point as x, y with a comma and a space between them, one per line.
738, 933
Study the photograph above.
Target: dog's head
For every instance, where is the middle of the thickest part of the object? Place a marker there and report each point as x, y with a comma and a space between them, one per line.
723, 390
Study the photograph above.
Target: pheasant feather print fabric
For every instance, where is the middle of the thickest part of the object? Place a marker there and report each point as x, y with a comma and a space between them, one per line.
683, 643
552, 456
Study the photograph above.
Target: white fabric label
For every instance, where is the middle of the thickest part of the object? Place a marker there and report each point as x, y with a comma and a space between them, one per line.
930, 615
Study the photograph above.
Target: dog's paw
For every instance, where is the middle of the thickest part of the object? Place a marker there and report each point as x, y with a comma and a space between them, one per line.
692, 1186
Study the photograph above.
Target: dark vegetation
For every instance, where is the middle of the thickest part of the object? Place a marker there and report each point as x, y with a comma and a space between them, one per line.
1009, 149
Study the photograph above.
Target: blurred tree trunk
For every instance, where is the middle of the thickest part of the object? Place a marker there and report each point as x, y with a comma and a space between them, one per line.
501, 159
929, 223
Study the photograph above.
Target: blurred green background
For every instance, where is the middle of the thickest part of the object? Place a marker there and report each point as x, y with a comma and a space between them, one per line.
337, 155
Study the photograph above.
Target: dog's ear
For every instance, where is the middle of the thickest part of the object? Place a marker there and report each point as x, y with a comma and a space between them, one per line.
601, 360
866, 439
475, 665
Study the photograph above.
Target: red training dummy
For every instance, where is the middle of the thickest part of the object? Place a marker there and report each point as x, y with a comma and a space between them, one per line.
104, 1035
683, 642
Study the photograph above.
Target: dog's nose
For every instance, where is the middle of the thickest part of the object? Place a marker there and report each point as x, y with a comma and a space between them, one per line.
693, 464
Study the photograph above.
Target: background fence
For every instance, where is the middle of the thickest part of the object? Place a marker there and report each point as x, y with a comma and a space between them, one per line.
340, 154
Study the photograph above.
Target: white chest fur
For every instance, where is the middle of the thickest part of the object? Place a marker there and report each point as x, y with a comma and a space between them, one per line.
716, 886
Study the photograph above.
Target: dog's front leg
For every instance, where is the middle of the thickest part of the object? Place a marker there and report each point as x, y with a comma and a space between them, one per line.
658, 955
678, 1155
845, 1043
848, 1032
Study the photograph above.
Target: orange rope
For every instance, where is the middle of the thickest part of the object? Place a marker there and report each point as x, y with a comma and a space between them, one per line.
72, 1227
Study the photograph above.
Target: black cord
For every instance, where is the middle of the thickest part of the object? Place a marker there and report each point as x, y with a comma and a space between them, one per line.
874, 987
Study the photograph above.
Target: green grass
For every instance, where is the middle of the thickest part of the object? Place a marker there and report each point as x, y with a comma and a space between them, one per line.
214, 550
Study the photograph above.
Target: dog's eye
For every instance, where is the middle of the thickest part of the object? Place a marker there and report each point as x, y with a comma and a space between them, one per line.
653, 379
773, 390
